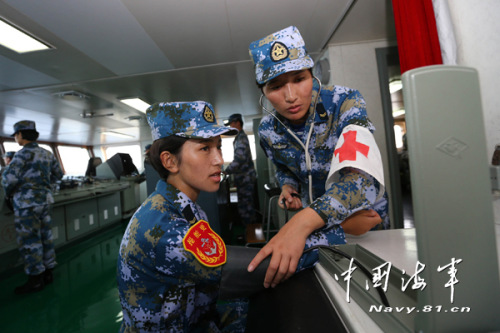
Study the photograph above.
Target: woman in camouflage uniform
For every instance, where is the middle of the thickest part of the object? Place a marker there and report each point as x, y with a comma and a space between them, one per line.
27, 179
341, 185
169, 264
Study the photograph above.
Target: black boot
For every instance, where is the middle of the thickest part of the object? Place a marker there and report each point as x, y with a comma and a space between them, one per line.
35, 283
48, 278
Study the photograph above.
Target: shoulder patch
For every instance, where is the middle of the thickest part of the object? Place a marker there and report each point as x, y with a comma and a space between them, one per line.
204, 243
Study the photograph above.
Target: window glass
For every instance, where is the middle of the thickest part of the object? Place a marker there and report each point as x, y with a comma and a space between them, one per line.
13, 146
74, 160
228, 149
133, 150
398, 136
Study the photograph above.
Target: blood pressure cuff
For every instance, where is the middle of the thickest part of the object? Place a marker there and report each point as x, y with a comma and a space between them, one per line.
236, 281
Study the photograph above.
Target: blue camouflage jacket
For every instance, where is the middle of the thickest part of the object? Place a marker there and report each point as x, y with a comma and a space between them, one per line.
29, 176
162, 287
337, 107
242, 162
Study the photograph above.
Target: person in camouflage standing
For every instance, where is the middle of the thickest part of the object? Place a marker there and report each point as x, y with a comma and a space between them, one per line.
244, 174
28, 180
170, 260
322, 144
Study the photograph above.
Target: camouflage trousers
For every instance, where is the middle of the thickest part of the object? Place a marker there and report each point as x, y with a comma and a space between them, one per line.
245, 188
34, 238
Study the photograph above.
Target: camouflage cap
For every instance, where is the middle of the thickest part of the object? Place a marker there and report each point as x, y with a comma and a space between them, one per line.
24, 125
234, 117
281, 52
195, 120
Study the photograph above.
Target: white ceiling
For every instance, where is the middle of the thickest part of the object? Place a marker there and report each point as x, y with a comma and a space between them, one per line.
159, 50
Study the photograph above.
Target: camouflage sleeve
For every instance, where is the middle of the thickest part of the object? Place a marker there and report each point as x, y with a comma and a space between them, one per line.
241, 148
11, 175
56, 172
283, 175
171, 256
354, 191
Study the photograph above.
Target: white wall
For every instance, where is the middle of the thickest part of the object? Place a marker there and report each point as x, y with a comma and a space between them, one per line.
355, 66
477, 31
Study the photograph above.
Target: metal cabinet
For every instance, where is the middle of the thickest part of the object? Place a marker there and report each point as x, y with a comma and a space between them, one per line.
110, 209
81, 218
58, 225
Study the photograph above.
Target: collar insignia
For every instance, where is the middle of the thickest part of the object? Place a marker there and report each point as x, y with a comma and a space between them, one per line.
280, 145
279, 51
206, 246
208, 115
321, 112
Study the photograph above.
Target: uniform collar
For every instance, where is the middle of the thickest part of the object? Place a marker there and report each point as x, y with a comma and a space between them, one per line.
179, 200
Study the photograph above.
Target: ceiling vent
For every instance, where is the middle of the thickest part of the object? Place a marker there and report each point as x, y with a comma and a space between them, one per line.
71, 95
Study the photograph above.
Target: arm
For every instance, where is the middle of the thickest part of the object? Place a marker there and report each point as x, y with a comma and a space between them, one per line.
354, 192
287, 246
56, 172
11, 176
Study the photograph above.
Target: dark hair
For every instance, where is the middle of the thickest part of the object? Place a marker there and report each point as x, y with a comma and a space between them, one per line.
30, 135
172, 144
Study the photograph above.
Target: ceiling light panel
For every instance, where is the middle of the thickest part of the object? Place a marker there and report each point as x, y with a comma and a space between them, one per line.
17, 40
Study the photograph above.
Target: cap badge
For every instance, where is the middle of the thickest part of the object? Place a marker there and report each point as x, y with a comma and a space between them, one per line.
208, 114
204, 243
279, 51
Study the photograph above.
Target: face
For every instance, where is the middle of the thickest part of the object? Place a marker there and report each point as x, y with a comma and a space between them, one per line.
199, 168
19, 138
291, 94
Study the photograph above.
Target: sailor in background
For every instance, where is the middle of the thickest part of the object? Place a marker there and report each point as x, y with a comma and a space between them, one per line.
28, 179
244, 175
321, 141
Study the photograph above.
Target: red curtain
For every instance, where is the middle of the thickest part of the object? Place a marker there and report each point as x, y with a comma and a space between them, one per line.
416, 31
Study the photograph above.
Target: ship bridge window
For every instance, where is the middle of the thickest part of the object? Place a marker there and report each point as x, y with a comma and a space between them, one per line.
133, 150
74, 160
228, 149
13, 146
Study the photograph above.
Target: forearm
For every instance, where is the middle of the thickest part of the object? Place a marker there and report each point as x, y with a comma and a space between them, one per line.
354, 192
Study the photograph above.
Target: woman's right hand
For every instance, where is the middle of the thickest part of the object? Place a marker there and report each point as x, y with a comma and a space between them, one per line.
291, 197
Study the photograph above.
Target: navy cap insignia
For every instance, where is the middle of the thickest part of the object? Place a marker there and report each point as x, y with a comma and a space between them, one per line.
279, 51
208, 115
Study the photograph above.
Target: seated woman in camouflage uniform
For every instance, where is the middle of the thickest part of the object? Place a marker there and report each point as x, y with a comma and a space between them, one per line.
170, 260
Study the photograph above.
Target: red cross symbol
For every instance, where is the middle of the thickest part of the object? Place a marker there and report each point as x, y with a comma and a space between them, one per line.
350, 146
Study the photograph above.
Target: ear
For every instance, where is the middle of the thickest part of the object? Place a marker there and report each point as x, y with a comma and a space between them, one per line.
169, 162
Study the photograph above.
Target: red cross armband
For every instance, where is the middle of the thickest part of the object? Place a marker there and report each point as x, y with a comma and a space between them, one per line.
356, 148
204, 243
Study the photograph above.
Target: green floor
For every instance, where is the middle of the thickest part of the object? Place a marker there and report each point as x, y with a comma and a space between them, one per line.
83, 297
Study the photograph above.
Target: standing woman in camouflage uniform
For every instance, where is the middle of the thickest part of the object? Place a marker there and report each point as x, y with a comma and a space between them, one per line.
170, 260
27, 179
321, 141
243, 172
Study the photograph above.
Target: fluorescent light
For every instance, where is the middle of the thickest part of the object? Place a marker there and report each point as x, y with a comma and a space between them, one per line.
136, 103
17, 40
117, 134
395, 86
